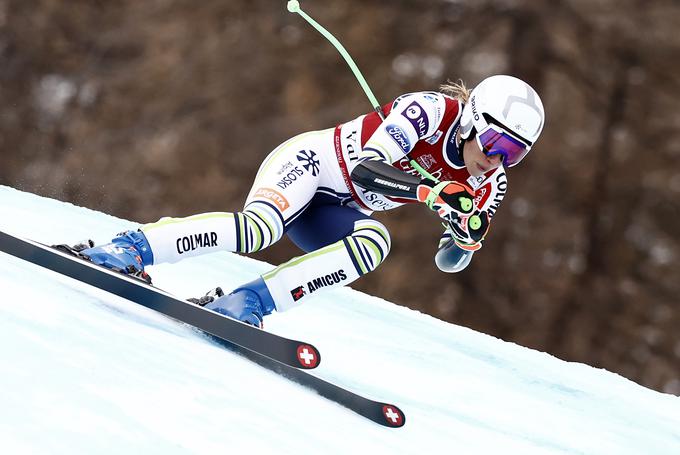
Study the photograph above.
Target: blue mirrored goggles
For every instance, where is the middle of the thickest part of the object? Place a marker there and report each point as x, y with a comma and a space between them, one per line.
494, 140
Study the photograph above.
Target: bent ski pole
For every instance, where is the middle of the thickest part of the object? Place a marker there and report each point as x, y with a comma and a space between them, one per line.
294, 7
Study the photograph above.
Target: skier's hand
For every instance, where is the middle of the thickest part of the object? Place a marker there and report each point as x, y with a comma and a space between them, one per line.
468, 232
451, 200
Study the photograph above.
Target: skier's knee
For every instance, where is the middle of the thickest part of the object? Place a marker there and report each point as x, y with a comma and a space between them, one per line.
259, 228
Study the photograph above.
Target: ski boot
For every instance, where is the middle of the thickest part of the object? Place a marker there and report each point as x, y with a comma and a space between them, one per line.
127, 253
248, 303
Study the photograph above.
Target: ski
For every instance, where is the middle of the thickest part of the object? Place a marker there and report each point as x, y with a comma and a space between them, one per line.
290, 352
285, 357
385, 414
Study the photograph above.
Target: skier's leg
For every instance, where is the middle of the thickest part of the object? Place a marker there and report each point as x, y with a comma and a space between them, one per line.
360, 249
173, 239
346, 244
285, 183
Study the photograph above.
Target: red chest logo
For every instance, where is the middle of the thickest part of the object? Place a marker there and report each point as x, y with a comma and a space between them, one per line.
482, 194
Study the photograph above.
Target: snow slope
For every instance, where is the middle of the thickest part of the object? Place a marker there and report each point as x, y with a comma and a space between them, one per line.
84, 372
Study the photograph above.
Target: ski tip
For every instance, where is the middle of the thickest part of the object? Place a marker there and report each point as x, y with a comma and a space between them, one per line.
308, 356
392, 416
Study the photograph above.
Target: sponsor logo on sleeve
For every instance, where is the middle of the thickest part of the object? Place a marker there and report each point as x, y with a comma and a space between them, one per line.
273, 196
398, 135
350, 146
284, 167
377, 201
290, 177
194, 241
326, 280
431, 97
395, 185
309, 161
415, 114
297, 293
318, 283
435, 99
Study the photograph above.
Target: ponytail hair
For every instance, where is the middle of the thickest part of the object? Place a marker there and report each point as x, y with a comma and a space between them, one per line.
456, 90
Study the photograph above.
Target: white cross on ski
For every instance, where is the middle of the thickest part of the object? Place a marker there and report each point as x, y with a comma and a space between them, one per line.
306, 356
393, 416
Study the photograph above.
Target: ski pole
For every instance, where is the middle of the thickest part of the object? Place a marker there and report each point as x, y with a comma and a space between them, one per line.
294, 7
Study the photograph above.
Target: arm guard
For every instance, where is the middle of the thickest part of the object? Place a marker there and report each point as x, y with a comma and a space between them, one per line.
381, 177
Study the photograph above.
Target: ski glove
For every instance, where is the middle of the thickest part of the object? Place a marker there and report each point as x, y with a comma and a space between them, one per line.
469, 231
451, 200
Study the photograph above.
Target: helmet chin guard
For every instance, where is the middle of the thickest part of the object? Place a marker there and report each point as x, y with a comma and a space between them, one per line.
508, 103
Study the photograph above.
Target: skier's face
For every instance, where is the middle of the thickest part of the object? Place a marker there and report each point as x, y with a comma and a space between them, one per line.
478, 163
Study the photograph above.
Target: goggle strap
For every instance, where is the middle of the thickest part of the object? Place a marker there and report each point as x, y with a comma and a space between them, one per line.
492, 121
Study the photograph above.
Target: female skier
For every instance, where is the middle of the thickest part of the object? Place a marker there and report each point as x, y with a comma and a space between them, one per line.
446, 149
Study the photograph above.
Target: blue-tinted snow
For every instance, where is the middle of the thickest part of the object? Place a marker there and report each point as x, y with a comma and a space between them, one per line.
84, 372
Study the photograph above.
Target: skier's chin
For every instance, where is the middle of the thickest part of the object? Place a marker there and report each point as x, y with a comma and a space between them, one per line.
476, 169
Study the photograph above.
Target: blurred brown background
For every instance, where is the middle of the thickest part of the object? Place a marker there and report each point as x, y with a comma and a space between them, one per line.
154, 108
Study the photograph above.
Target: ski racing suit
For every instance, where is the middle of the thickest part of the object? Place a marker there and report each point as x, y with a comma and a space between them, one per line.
320, 188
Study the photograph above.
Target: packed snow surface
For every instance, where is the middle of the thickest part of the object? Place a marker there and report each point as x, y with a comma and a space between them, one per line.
84, 372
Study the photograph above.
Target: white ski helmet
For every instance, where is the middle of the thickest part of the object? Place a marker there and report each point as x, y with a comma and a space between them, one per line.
507, 103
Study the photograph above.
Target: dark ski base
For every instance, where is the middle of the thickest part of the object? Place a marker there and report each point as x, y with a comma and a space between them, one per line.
280, 355
384, 414
291, 352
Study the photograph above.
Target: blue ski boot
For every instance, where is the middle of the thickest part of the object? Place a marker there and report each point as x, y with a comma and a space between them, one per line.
128, 253
248, 303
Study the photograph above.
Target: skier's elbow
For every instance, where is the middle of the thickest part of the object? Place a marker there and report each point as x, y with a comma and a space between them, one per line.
364, 173
452, 259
